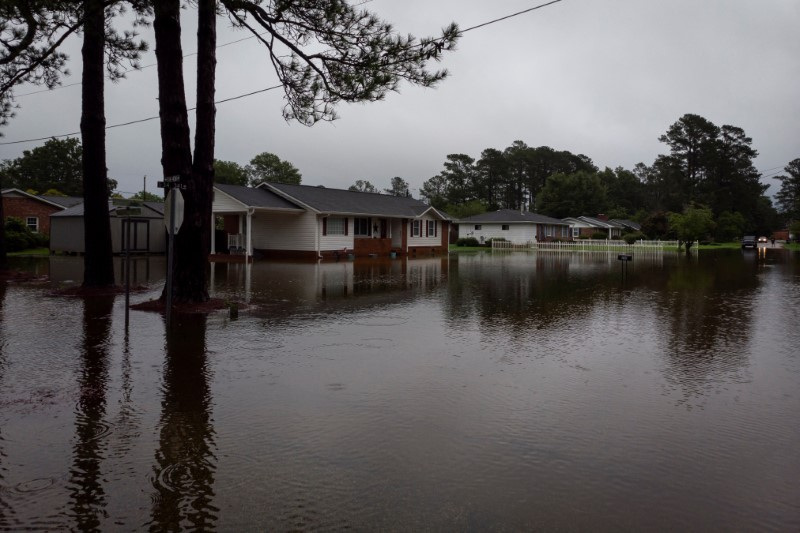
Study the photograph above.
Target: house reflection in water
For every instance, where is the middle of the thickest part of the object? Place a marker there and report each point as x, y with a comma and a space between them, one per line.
306, 283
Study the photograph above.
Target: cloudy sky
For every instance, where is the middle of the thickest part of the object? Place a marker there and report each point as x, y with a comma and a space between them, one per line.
600, 77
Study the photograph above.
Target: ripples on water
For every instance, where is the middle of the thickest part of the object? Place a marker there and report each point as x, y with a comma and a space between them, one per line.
513, 392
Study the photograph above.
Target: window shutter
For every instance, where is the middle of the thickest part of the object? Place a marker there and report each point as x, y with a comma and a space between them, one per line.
410, 228
324, 226
435, 229
346, 220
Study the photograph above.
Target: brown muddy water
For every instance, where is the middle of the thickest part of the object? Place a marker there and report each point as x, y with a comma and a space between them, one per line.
479, 392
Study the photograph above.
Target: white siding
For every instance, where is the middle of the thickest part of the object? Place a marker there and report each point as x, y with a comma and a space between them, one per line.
337, 242
226, 204
516, 233
425, 241
284, 231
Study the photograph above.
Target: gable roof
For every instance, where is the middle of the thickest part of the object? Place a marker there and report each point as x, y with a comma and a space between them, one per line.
155, 208
511, 216
596, 222
260, 198
341, 201
61, 202
627, 223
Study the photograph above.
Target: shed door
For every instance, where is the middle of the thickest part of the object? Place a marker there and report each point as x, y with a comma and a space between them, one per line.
137, 233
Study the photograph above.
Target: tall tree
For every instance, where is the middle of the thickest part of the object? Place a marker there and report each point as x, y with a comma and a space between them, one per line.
492, 173
230, 172
363, 186
57, 164
570, 195
269, 167
323, 53
398, 187
788, 197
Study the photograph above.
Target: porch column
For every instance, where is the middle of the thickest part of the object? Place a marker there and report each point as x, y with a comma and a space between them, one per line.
213, 234
249, 233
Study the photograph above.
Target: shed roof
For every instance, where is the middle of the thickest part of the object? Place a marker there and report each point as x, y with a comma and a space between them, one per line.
511, 216
156, 208
341, 201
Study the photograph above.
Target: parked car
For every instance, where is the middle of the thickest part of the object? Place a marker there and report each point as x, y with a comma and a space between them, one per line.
749, 242
762, 239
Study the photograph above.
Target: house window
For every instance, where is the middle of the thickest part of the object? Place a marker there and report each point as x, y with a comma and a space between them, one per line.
576, 232
548, 231
335, 226
430, 228
504, 227
33, 224
361, 227
564, 232
477, 226
416, 228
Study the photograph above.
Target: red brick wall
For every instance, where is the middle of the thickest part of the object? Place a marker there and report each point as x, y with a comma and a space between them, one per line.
23, 208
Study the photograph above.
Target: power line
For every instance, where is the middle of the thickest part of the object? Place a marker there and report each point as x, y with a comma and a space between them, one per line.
540, 6
138, 121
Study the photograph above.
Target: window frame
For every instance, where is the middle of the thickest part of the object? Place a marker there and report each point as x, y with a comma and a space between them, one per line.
505, 227
416, 228
359, 221
336, 226
33, 227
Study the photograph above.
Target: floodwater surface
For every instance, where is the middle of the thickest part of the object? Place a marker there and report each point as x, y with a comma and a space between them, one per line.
476, 392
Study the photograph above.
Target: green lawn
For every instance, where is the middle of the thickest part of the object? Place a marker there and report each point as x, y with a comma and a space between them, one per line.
794, 247
454, 248
30, 251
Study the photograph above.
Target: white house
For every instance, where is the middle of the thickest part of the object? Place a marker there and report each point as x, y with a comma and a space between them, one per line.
515, 226
282, 220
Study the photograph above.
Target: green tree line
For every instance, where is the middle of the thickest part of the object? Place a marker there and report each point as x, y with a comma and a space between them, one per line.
707, 166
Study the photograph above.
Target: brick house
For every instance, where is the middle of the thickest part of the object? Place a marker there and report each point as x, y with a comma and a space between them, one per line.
35, 210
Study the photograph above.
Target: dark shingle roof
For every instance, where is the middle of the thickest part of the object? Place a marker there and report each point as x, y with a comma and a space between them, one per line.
256, 197
77, 210
327, 200
627, 223
510, 216
63, 201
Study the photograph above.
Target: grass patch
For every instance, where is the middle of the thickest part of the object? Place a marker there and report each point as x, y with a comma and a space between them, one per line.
30, 251
793, 246
454, 248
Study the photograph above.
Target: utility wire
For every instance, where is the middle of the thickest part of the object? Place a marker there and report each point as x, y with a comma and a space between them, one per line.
540, 6
121, 124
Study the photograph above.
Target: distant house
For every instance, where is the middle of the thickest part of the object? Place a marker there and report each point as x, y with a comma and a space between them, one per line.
584, 226
146, 229
35, 210
628, 225
514, 226
282, 220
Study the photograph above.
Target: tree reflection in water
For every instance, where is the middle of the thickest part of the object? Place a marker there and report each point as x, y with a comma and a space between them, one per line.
183, 475
87, 495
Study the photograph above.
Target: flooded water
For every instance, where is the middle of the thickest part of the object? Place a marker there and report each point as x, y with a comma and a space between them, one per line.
479, 392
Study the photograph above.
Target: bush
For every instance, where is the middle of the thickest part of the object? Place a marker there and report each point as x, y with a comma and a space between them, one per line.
19, 237
632, 237
599, 235
467, 241
498, 239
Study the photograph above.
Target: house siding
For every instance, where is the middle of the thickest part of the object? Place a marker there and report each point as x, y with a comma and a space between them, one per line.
22, 208
225, 204
284, 231
516, 233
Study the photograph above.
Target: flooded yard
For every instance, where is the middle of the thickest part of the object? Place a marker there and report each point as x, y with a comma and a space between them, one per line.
476, 392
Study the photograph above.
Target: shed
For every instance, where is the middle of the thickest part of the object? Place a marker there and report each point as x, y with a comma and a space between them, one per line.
148, 234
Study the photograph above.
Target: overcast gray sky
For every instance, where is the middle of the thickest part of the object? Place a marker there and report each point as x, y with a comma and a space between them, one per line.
600, 77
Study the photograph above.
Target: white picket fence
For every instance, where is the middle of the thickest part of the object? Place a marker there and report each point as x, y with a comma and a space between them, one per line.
586, 245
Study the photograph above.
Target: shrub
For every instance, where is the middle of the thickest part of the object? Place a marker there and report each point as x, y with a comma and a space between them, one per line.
20, 237
598, 235
467, 241
632, 237
498, 239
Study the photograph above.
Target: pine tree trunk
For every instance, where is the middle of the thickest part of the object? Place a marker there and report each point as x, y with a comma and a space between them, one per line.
98, 261
189, 281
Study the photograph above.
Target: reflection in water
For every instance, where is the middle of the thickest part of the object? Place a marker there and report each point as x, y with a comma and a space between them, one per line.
706, 309
6, 510
185, 460
87, 495
284, 287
